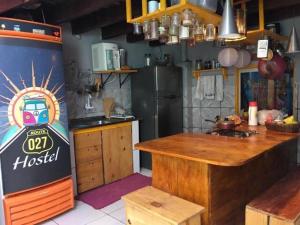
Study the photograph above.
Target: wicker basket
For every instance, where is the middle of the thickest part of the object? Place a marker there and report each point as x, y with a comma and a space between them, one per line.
289, 128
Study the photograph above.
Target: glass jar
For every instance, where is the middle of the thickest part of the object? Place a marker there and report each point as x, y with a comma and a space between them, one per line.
176, 21
184, 33
174, 30
187, 17
164, 26
146, 27
199, 32
154, 34
173, 40
241, 21
137, 29
210, 32
165, 21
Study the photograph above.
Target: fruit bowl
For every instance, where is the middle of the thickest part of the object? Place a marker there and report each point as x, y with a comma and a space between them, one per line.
281, 127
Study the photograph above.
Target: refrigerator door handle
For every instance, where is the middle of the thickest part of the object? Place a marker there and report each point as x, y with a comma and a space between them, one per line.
156, 121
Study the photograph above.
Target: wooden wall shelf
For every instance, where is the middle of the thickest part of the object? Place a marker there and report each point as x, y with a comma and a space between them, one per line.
222, 71
116, 72
206, 15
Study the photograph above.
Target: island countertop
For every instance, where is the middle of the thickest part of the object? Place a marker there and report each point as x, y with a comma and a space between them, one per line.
217, 150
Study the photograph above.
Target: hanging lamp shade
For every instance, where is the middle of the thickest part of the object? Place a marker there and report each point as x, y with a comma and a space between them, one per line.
228, 28
228, 57
244, 59
293, 44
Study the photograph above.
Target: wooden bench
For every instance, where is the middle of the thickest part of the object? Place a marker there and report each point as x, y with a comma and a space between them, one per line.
280, 205
150, 206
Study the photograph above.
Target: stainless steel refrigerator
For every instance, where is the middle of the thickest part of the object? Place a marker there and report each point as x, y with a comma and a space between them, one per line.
156, 94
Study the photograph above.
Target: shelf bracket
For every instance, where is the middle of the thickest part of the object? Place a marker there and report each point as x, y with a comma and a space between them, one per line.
121, 82
106, 79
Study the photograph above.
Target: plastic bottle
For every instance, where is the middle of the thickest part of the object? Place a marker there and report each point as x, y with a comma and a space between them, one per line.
252, 112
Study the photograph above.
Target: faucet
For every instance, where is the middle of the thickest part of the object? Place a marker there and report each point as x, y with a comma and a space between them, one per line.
89, 105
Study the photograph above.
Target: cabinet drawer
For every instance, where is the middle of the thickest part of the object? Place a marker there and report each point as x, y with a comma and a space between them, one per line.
89, 175
88, 168
89, 182
88, 153
88, 139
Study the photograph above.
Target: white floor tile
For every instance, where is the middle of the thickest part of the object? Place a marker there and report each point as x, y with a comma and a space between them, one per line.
146, 172
119, 214
80, 215
113, 207
107, 220
49, 222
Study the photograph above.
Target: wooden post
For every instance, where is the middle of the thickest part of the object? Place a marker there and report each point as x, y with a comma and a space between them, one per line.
182, 2
144, 7
163, 5
261, 15
128, 11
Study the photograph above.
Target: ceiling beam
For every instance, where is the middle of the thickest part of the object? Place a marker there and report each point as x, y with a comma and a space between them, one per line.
104, 18
6, 5
71, 10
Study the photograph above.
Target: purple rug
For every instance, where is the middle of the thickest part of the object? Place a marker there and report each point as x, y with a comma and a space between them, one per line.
108, 194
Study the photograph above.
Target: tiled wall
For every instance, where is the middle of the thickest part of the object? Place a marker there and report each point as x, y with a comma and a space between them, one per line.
196, 111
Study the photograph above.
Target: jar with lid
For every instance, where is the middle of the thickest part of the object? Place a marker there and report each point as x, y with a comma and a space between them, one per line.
187, 17
165, 22
210, 32
199, 31
154, 34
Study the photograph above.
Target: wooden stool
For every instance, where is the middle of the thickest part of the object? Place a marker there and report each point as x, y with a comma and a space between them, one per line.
150, 206
280, 205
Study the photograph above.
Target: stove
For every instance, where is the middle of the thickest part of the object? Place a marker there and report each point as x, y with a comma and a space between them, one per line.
232, 133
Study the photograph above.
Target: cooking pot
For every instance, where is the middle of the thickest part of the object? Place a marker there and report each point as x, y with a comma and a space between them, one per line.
272, 69
223, 124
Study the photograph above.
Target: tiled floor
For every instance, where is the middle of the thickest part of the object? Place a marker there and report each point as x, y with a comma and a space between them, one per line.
84, 214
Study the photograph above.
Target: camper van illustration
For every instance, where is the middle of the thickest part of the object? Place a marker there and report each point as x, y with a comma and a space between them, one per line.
35, 111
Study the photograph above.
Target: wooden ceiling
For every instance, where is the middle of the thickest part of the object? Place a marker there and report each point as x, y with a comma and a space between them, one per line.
85, 15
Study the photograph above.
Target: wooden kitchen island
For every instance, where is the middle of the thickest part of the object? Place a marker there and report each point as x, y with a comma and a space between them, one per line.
222, 174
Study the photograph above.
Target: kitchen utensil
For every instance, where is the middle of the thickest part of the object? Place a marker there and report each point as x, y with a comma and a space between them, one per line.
108, 105
223, 124
273, 69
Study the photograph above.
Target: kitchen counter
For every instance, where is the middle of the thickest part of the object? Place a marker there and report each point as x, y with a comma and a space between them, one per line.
223, 174
217, 150
90, 122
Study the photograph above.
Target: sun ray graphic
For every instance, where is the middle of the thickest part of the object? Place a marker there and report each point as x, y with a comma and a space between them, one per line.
23, 81
16, 104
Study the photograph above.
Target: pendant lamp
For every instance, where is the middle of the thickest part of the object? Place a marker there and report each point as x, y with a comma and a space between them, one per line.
228, 28
293, 44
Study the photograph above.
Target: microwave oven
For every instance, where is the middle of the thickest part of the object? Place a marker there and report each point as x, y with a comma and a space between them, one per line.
104, 56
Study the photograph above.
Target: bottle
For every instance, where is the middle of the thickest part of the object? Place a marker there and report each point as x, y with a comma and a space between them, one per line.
252, 112
147, 60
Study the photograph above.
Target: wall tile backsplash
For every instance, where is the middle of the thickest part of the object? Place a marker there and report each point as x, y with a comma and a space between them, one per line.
197, 111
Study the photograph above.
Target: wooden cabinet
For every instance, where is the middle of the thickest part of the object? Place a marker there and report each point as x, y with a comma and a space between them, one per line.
89, 162
103, 154
117, 153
